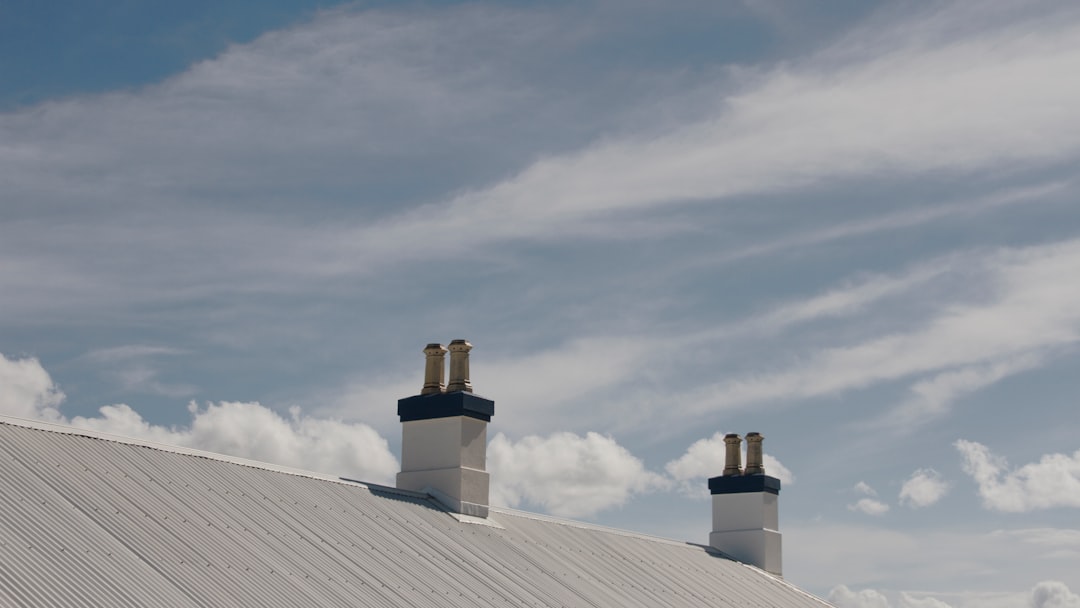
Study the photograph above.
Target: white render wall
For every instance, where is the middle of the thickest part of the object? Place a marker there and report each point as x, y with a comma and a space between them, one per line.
746, 527
439, 443
745, 511
446, 457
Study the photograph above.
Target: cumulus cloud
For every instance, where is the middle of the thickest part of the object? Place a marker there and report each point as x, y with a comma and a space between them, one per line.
843, 597
247, 430
566, 474
27, 389
1052, 482
705, 458
254, 431
869, 504
924, 488
1046, 594
910, 601
1053, 594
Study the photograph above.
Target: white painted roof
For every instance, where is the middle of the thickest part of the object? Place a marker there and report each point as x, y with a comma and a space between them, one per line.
88, 519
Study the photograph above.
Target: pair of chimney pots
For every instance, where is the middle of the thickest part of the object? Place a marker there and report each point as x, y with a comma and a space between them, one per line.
435, 368
733, 458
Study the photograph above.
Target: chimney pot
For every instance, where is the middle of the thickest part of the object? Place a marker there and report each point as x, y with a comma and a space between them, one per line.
755, 464
733, 458
434, 369
459, 367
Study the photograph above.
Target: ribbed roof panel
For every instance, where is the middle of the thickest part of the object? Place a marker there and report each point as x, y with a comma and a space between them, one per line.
87, 520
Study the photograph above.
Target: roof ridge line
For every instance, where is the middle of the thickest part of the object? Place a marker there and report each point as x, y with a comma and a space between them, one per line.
591, 526
67, 429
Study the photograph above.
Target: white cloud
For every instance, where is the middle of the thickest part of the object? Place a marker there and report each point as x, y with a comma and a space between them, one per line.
351, 86
1046, 594
847, 300
924, 488
911, 601
930, 104
946, 562
933, 396
570, 373
247, 430
1053, 594
254, 431
864, 488
842, 597
869, 506
705, 458
28, 390
889, 222
566, 474
1020, 311
1052, 482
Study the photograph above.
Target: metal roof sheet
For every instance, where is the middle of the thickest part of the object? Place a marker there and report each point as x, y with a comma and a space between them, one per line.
92, 520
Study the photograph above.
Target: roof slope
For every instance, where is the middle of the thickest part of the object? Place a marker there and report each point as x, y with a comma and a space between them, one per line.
87, 520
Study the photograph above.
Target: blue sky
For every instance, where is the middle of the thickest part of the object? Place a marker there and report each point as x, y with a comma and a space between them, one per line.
850, 226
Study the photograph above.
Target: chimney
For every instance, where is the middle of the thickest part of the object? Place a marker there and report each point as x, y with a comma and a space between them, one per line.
745, 512
444, 435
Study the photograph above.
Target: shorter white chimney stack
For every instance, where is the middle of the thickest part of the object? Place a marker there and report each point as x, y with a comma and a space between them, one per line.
745, 511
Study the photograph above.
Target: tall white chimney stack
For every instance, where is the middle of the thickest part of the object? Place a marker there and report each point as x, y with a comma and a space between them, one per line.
444, 435
745, 513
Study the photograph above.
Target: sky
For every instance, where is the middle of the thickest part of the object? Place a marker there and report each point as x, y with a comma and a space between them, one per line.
850, 226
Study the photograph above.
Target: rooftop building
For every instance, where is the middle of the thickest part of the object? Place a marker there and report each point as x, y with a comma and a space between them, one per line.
88, 519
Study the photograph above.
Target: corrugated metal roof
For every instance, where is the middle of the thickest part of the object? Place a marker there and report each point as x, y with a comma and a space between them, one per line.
93, 520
